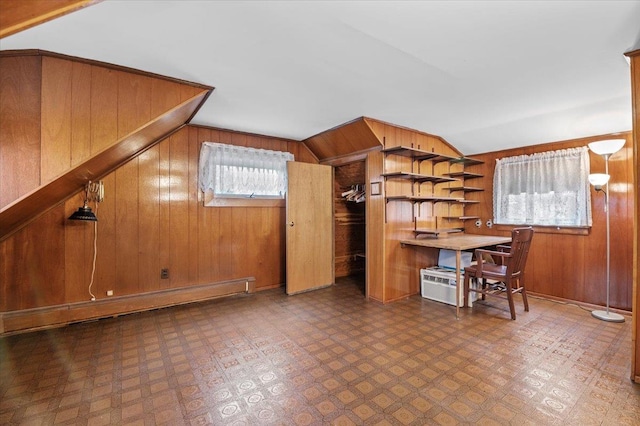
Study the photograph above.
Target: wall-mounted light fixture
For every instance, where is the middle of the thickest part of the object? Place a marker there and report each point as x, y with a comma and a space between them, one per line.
93, 191
600, 181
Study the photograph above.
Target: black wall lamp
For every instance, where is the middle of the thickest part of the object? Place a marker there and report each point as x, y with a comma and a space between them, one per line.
93, 191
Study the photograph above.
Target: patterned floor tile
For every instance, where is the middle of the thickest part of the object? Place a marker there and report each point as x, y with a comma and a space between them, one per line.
324, 357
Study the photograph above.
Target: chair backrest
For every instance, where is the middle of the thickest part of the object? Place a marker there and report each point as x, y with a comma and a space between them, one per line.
520, 243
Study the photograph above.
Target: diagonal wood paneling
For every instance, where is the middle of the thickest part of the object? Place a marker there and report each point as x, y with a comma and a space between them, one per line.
67, 120
346, 139
25, 209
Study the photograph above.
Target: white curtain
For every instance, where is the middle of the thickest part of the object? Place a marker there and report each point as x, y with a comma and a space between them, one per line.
230, 170
549, 189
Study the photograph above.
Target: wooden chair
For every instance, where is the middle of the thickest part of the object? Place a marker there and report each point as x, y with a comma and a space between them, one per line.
508, 272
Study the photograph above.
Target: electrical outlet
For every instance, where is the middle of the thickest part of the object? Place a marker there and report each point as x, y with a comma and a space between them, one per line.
164, 273
109, 292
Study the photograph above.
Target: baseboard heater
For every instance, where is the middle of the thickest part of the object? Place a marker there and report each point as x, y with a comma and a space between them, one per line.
61, 315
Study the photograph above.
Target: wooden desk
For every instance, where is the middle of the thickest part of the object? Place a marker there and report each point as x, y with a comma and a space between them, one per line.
458, 243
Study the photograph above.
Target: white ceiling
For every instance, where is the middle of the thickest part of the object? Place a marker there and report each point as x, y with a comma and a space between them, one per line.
485, 75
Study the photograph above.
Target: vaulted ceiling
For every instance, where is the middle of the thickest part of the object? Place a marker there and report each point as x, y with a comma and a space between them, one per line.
484, 75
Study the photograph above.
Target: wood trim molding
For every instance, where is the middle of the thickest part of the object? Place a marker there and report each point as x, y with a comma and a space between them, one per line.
552, 146
350, 158
211, 201
582, 305
223, 129
61, 315
635, 322
19, 15
632, 53
38, 52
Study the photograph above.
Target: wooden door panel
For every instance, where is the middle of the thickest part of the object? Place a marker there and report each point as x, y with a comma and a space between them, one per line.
310, 262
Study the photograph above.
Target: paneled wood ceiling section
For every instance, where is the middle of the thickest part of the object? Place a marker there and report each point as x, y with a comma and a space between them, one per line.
345, 139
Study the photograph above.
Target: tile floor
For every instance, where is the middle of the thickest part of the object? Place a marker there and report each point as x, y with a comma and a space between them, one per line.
324, 357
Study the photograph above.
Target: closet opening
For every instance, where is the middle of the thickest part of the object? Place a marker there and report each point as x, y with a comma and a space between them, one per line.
350, 223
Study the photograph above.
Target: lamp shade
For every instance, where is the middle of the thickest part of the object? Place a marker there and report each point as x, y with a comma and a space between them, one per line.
607, 147
84, 213
598, 179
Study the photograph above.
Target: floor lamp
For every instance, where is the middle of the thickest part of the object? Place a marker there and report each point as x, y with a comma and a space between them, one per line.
606, 148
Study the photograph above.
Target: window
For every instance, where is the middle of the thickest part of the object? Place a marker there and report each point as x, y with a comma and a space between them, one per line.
238, 171
546, 189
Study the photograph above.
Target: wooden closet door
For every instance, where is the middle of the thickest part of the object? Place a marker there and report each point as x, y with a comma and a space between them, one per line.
310, 263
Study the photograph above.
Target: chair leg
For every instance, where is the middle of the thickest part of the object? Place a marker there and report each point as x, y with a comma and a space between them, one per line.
524, 294
465, 290
484, 287
510, 299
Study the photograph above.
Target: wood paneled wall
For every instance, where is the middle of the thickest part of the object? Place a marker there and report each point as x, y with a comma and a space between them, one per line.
20, 87
57, 113
635, 95
400, 268
572, 266
375, 218
151, 218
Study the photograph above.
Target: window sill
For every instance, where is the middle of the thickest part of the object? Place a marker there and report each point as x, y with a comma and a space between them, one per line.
575, 230
210, 201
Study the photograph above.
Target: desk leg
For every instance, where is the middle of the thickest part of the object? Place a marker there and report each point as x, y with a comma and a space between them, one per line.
458, 261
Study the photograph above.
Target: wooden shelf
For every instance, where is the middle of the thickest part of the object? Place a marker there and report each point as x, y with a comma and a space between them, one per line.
441, 158
464, 175
451, 176
463, 201
419, 154
436, 232
416, 177
460, 217
416, 154
464, 189
467, 161
425, 198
